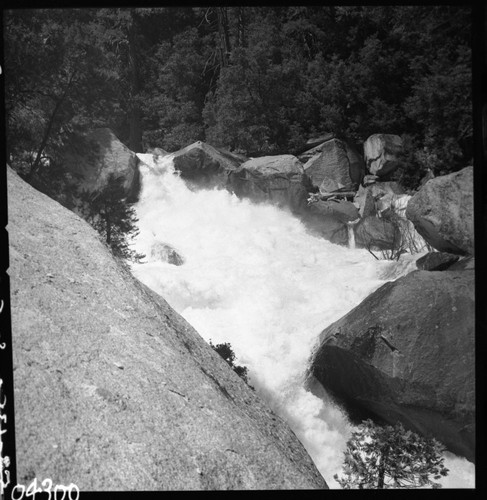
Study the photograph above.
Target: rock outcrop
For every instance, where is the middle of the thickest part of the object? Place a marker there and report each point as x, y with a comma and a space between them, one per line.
382, 153
165, 253
325, 224
377, 197
107, 156
442, 212
334, 164
377, 234
279, 179
205, 165
436, 261
113, 389
407, 353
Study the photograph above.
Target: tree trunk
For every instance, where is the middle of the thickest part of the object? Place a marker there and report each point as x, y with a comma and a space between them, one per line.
135, 114
109, 226
47, 133
382, 469
225, 47
241, 38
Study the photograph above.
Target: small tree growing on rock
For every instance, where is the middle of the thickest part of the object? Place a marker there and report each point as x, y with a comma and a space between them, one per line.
391, 457
226, 352
111, 215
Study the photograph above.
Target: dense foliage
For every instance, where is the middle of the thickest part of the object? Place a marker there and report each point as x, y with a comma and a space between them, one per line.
260, 80
391, 457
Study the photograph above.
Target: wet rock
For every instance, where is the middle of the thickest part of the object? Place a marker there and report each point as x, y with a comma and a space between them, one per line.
407, 354
436, 261
279, 179
157, 151
465, 263
166, 253
377, 234
204, 164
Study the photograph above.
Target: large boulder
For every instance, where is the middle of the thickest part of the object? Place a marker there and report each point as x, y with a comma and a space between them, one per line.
325, 225
113, 389
377, 233
312, 146
279, 179
205, 165
330, 219
442, 212
382, 153
91, 159
335, 164
377, 197
436, 261
407, 354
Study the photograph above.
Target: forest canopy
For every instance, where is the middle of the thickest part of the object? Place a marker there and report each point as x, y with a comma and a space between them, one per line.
254, 80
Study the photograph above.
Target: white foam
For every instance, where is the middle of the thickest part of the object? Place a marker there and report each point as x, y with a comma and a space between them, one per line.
254, 277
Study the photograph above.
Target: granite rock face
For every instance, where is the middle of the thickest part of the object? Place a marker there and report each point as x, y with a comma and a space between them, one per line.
382, 153
377, 234
279, 179
335, 165
443, 214
205, 165
407, 354
113, 389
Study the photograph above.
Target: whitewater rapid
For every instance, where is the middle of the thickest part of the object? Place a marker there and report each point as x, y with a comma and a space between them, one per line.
254, 277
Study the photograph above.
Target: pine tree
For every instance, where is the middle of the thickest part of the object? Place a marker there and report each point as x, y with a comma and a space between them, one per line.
226, 352
111, 215
391, 457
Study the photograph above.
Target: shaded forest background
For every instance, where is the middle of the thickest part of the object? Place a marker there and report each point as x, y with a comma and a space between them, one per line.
253, 80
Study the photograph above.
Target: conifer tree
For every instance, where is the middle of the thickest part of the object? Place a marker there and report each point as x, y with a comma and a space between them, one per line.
111, 215
391, 457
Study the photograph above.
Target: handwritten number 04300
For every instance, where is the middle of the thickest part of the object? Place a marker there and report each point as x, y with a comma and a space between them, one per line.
33, 489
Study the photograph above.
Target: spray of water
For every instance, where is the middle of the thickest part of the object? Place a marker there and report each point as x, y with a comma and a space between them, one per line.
253, 276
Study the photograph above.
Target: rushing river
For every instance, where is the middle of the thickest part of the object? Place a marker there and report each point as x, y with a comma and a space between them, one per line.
254, 277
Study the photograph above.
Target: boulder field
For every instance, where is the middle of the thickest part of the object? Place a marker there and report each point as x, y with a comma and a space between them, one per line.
407, 354
113, 389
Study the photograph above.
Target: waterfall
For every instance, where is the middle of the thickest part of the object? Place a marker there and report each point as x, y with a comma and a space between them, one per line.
351, 233
254, 277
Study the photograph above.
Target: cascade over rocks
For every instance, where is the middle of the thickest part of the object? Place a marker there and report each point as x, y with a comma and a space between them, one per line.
205, 164
334, 164
442, 212
279, 179
407, 353
113, 389
107, 156
382, 153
